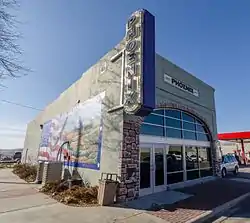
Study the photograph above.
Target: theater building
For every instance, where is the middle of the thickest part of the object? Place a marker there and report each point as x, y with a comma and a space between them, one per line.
133, 113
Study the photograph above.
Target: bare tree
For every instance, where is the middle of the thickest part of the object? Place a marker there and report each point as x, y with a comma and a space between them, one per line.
10, 52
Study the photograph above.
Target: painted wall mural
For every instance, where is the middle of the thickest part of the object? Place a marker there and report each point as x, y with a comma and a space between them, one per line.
75, 137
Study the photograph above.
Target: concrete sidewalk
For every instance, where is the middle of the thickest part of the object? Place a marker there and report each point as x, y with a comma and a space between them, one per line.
21, 202
244, 172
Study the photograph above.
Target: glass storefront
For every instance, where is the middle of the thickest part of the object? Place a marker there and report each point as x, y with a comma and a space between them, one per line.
205, 163
180, 161
166, 165
174, 160
198, 162
192, 162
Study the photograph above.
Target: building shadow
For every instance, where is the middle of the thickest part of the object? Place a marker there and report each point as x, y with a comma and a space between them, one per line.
200, 197
238, 213
245, 175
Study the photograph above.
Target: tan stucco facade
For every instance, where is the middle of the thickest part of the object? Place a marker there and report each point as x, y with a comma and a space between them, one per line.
105, 76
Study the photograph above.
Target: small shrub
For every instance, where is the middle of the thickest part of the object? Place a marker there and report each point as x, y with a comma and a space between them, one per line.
54, 187
6, 165
2, 166
76, 195
25, 171
80, 195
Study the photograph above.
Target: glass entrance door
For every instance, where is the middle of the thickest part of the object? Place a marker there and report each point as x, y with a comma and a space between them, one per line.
159, 168
152, 169
146, 171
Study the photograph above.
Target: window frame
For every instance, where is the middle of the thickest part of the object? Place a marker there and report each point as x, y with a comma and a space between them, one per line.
196, 122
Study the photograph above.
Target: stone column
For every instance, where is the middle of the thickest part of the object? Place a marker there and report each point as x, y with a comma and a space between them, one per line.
216, 161
129, 161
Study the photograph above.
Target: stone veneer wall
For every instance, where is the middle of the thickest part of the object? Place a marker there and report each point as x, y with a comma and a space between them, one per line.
216, 160
130, 151
129, 162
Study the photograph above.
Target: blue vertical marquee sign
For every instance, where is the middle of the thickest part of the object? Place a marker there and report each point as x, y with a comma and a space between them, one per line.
139, 78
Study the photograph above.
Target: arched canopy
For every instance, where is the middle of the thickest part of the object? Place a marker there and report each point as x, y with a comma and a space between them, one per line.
175, 123
234, 135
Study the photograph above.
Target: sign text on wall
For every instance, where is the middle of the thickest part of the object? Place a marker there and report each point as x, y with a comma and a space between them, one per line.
133, 57
139, 66
180, 85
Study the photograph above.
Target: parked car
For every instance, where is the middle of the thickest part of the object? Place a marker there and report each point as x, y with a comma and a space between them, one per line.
229, 164
17, 155
6, 158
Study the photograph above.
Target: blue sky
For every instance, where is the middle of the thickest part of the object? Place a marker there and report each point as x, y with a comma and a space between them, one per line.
208, 38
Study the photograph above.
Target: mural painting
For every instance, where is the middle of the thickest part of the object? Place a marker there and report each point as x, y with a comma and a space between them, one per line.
75, 137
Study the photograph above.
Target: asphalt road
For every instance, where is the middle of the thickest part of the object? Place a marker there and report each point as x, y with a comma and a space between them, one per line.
241, 212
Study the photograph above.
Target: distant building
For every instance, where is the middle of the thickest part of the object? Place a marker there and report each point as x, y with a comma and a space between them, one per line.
10, 152
242, 139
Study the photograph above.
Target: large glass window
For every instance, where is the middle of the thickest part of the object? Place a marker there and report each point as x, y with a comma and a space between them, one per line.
205, 162
173, 113
174, 124
189, 135
174, 158
192, 162
170, 122
174, 133
148, 129
200, 128
191, 157
188, 126
188, 117
202, 137
154, 119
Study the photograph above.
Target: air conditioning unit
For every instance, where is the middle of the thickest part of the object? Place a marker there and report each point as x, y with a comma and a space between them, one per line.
52, 171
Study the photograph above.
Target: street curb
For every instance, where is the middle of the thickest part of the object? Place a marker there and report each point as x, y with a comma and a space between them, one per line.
218, 210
